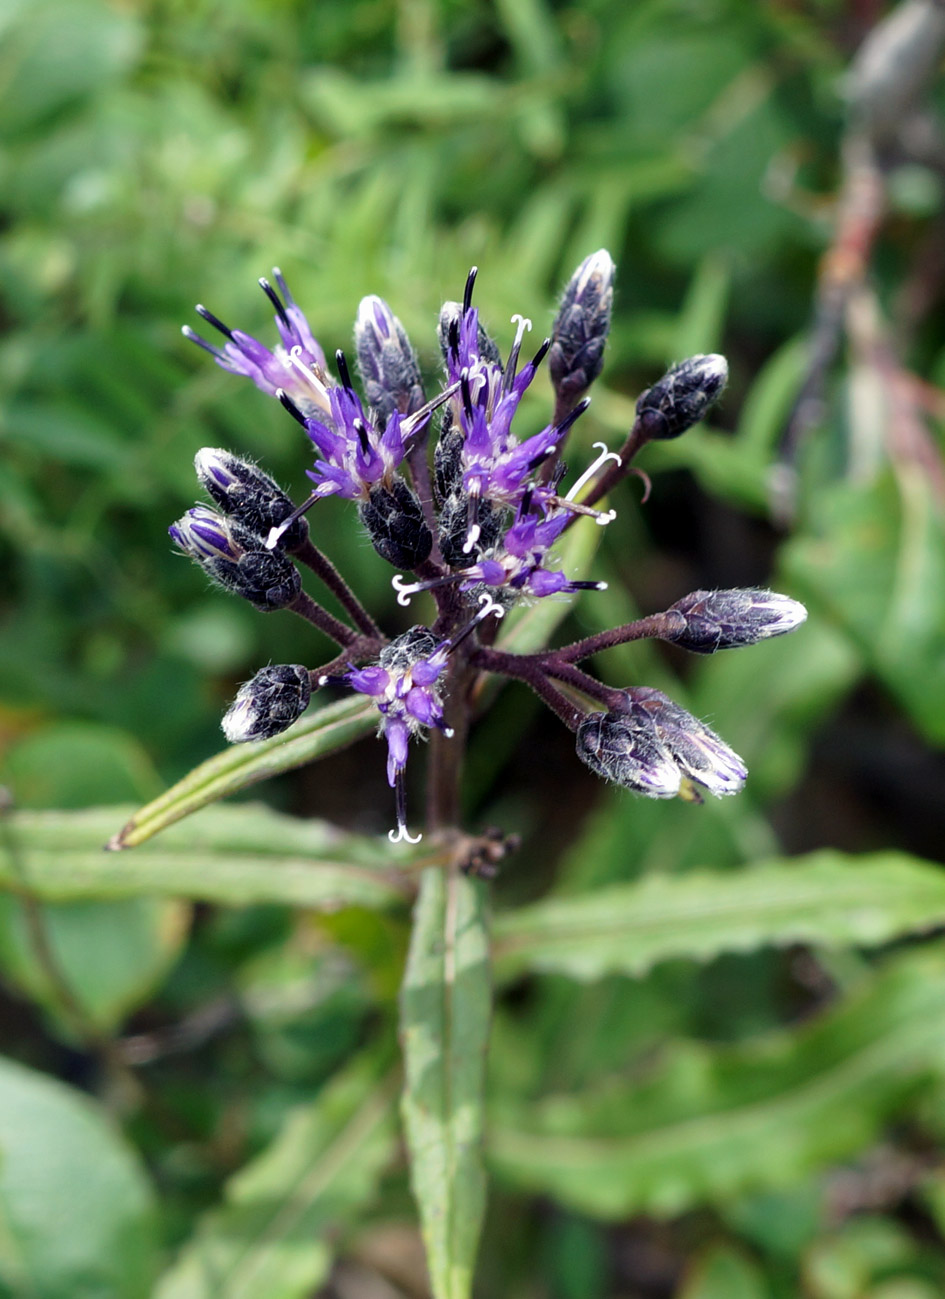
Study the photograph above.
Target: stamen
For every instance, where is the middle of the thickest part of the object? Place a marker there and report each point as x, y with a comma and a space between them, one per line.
512, 364
588, 586
568, 420
591, 470
276, 533
194, 337
452, 337
401, 834
213, 320
362, 437
541, 353
468, 291
342, 363
274, 298
290, 406
467, 393
420, 417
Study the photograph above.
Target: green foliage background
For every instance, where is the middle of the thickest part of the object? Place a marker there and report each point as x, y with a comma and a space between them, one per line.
718, 1047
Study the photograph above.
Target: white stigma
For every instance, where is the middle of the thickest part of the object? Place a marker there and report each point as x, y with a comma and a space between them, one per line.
471, 538
590, 471
275, 534
402, 835
487, 606
405, 590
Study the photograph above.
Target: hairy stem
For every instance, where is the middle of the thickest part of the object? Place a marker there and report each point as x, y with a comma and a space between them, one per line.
309, 554
659, 626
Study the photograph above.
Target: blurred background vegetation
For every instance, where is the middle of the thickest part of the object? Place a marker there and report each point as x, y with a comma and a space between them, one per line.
766, 1122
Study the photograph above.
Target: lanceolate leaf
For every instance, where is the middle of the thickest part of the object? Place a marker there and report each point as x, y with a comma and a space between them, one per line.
826, 898
326, 731
233, 855
445, 1023
707, 1123
270, 1235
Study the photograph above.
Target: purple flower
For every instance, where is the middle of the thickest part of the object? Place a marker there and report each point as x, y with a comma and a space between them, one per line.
404, 686
354, 455
295, 366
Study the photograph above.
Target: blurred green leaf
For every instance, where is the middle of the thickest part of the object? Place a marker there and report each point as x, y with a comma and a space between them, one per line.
75, 763
445, 1009
724, 1273
111, 955
827, 898
327, 731
272, 1235
232, 855
873, 561
76, 1207
703, 1124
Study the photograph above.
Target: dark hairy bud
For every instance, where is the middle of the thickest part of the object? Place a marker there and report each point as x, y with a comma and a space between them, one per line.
396, 525
236, 559
387, 362
654, 747
700, 755
714, 620
451, 315
453, 533
266, 578
625, 749
448, 458
682, 396
581, 327
245, 493
276, 697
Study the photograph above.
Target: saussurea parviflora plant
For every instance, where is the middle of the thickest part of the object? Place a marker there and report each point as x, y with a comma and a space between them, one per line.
474, 524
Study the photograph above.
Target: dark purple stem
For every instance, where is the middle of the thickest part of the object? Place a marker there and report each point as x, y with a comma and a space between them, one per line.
527, 668
309, 554
660, 626
306, 608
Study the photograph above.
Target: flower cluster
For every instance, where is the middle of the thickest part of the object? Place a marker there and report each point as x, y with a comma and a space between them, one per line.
474, 522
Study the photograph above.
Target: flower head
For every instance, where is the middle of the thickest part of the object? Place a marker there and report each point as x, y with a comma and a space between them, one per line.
296, 365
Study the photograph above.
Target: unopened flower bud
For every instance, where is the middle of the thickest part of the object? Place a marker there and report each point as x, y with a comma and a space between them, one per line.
246, 494
266, 578
205, 535
625, 748
717, 620
236, 559
387, 362
699, 754
581, 328
396, 525
682, 396
269, 704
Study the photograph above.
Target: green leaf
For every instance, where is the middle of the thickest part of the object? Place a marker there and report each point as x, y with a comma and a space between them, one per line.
723, 1273
271, 1236
445, 1010
76, 1214
826, 898
233, 855
110, 955
706, 1123
329, 730
873, 564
